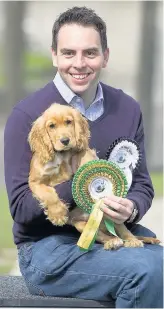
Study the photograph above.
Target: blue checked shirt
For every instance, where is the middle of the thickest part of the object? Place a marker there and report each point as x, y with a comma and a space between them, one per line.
93, 112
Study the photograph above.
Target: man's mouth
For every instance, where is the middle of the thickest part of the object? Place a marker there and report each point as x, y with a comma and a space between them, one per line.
80, 76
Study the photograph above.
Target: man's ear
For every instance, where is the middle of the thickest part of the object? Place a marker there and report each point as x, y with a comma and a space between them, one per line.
106, 57
54, 58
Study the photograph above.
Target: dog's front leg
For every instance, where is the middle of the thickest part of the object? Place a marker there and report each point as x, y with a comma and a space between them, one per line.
54, 208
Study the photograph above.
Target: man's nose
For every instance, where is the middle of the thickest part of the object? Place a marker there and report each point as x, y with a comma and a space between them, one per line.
79, 62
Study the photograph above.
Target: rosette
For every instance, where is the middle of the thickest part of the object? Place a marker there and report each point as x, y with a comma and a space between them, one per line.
125, 153
93, 181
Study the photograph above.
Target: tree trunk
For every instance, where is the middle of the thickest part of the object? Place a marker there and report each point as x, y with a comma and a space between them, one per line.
13, 51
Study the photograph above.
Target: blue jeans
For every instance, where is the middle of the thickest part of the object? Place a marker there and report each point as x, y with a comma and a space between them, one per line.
132, 277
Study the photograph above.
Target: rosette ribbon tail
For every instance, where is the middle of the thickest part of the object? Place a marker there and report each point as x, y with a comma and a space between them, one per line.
110, 227
89, 233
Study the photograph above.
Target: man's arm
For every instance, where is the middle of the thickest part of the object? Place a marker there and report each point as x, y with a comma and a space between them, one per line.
141, 191
17, 156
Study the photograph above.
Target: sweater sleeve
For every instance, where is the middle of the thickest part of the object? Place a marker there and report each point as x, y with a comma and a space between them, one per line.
24, 207
141, 191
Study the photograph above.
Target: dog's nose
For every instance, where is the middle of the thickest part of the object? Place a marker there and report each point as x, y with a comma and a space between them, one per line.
65, 141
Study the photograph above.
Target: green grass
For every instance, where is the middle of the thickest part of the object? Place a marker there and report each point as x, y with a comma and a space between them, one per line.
6, 239
4, 270
157, 180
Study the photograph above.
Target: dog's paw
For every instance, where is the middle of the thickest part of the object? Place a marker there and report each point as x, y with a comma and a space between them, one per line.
133, 243
58, 214
150, 240
113, 243
60, 221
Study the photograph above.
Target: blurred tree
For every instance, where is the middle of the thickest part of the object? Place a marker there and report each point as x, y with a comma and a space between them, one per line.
14, 45
146, 69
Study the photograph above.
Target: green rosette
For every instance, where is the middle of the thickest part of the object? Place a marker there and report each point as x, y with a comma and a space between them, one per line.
95, 180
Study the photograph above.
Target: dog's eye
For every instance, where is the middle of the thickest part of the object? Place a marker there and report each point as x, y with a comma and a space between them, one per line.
52, 126
68, 121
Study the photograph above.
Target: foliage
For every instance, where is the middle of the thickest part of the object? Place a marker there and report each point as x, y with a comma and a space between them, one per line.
34, 63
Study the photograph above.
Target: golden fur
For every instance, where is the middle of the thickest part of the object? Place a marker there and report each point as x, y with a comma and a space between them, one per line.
51, 161
57, 136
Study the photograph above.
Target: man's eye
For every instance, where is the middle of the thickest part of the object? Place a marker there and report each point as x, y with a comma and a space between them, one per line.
68, 53
91, 54
68, 121
52, 126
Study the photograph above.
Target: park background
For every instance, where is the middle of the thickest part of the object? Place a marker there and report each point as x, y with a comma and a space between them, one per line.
135, 38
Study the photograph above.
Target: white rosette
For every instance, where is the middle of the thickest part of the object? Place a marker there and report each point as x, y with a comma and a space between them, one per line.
125, 153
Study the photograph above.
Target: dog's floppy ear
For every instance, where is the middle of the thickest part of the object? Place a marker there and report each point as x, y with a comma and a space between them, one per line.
81, 130
40, 142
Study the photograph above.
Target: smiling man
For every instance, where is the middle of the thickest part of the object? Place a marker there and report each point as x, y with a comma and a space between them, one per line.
49, 259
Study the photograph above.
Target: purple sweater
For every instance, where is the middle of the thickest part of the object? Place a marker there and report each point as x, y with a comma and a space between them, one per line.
122, 117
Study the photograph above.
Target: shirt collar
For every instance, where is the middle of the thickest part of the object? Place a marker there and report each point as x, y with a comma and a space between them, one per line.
64, 90
68, 95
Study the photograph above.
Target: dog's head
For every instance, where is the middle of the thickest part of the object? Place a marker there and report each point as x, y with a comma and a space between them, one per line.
59, 128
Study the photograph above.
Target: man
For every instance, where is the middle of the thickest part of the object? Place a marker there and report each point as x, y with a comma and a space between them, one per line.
50, 261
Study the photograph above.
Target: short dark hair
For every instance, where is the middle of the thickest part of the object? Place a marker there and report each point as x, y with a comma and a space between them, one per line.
82, 16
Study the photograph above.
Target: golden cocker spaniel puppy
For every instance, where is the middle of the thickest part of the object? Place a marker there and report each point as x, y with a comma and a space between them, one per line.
56, 136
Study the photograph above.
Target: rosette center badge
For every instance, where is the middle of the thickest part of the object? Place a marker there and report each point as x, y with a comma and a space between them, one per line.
100, 187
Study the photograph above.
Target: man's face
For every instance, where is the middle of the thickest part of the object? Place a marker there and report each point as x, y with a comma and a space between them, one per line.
79, 57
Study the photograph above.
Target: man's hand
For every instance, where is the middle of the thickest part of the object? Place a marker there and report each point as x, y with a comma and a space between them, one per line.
118, 209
